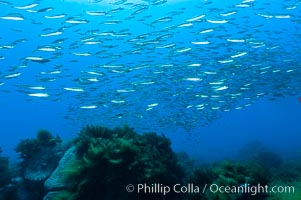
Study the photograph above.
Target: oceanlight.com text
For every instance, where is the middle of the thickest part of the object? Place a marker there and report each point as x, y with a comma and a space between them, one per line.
250, 189
191, 188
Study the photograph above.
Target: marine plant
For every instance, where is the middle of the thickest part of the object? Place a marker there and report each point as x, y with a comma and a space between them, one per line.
109, 159
290, 171
237, 174
63, 195
291, 192
229, 173
288, 177
28, 147
200, 176
4, 170
44, 137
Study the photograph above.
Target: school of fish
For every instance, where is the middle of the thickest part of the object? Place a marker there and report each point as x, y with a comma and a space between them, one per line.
152, 63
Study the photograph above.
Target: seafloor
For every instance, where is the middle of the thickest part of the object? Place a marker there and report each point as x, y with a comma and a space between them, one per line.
120, 164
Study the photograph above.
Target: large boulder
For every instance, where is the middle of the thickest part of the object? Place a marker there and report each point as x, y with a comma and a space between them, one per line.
57, 181
41, 165
37, 167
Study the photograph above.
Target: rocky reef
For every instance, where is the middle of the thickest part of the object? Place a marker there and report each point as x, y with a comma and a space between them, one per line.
39, 156
101, 162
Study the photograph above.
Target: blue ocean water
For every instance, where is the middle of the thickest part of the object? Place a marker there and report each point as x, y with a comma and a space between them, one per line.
210, 75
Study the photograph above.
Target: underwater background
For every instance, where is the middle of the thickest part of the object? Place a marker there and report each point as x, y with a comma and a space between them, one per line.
219, 79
